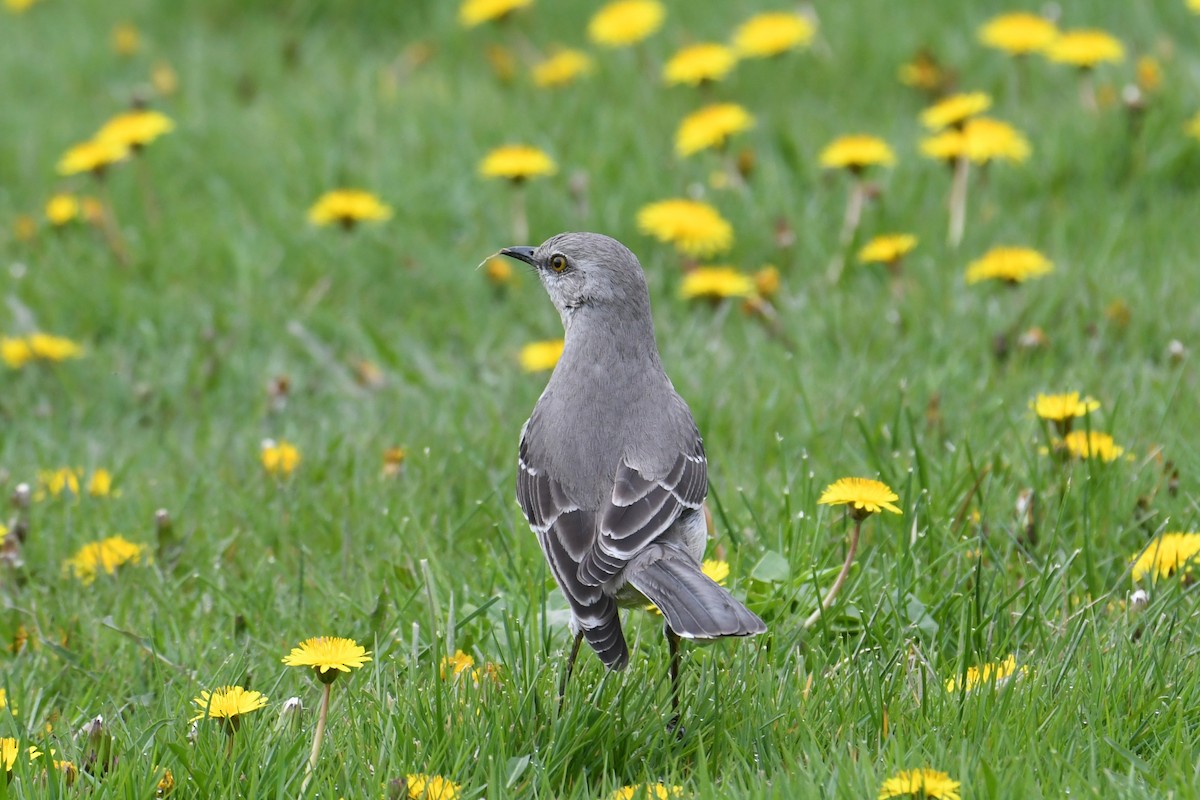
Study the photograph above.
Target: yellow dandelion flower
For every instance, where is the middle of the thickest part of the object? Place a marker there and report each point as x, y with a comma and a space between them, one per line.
1018, 33
94, 156
126, 40
279, 458
767, 281
1091, 444
456, 664
1149, 74
166, 784
47, 347
647, 791
626, 22
499, 271
864, 496
104, 556
541, 356
3, 693
771, 33
18, 6
924, 73
61, 209
1166, 555
431, 787
328, 656
711, 126
15, 352
100, 484
136, 129
923, 783
53, 482
955, 109
699, 63
517, 163
393, 461
996, 673
477, 12
987, 139
694, 228
1194, 5
348, 207
228, 703
887, 249
856, 153
10, 750
1012, 265
715, 283
562, 69
1062, 407
1086, 49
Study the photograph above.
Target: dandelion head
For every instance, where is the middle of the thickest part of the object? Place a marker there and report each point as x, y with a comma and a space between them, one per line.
695, 229
626, 22
862, 496
772, 33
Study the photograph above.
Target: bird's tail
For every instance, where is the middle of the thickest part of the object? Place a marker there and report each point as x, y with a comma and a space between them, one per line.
603, 634
693, 605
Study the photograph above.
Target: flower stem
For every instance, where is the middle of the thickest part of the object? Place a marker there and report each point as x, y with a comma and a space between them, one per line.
958, 200
318, 735
841, 578
110, 226
850, 222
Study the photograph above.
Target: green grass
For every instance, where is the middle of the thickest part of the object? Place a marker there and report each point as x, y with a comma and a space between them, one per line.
231, 289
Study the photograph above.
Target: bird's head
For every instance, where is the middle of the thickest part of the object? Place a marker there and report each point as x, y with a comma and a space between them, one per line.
587, 271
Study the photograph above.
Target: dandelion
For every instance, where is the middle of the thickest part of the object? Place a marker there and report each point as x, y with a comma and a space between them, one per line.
695, 229
136, 129
996, 673
53, 482
393, 461
328, 656
16, 352
925, 73
1063, 409
772, 33
1018, 33
767, 281
499, 272
711, 127
647, 791
920, 783
10, 749
431, 787
541, 356
626, 22
126, 40
94, 156
348, 207
1086, 49
864, 497
455, 664
954, 110
228, 704
716, 283
698, 64
105, 556
517, 164
889, 249
279, 458
857, 152
1167, 555
1091, 444
62, 209
1149, 74
19, 6
1013, 265
166, 784
3, 693
100, 483
477, 12
562, 69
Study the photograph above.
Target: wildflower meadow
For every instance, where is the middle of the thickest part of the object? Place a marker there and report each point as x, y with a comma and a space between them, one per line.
925, 273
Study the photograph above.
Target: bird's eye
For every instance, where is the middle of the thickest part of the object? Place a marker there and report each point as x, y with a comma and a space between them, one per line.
558, 262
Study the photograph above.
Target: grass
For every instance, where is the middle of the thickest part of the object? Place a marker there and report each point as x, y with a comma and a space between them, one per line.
231, 289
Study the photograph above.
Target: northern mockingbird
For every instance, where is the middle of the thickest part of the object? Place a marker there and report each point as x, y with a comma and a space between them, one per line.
612, 474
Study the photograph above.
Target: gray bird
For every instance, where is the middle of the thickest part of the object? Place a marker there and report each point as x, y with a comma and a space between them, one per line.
612, 474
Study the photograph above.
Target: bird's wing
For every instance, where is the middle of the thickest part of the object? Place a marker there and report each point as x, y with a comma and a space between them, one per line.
566, 533
641, 510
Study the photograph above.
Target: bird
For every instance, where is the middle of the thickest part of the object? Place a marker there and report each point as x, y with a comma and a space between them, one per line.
611, 471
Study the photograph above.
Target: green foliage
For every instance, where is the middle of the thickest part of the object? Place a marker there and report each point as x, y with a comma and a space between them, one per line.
924, 385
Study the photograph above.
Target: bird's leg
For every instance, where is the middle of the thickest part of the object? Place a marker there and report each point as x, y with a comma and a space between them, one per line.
562, 686
673, 649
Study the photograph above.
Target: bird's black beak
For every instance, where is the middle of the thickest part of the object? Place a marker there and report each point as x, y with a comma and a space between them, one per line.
520, 254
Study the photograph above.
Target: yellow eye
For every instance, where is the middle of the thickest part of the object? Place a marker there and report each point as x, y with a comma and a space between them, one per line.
558, 262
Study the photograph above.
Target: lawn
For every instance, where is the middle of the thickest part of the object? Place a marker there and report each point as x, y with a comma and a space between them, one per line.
989, 631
